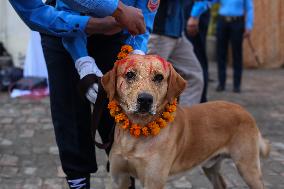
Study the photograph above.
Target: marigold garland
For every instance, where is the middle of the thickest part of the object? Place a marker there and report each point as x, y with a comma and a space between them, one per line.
151, 129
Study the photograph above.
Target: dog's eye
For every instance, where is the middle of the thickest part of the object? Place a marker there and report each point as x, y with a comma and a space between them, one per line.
130, 75
158, 78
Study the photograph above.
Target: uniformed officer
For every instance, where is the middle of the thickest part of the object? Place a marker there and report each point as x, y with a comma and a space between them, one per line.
235, 22
70, 113
198, 41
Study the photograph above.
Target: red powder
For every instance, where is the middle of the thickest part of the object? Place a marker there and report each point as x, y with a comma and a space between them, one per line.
129, 65
151, 68
120, 62
163, 61
121, 84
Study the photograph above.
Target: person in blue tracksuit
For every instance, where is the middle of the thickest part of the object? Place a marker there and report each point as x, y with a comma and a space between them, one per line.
64, 38
235, 22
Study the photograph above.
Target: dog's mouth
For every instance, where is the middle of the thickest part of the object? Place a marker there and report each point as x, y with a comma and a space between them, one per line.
145, 104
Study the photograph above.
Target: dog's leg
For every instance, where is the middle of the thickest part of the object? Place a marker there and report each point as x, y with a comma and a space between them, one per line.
119, 172
213, 174
154, 175
154, 183
247, 160
121, 181
251, 172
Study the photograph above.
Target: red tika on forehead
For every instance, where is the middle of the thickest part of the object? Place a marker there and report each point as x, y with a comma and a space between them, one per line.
129, 65
120, 62
163, 61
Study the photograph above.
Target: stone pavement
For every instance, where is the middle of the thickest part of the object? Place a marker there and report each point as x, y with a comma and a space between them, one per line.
29, 156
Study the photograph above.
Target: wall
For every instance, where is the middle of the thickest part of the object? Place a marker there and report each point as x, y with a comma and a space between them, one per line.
13, 32
268, 35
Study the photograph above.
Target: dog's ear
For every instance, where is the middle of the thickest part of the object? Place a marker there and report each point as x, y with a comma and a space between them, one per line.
176, 84
109, 82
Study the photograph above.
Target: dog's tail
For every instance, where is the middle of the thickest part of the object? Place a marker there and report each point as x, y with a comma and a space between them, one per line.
264, 147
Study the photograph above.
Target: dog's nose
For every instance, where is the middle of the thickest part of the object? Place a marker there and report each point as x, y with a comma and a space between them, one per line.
145, 102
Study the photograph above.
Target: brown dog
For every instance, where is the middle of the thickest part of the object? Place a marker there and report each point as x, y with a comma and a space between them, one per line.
200, 135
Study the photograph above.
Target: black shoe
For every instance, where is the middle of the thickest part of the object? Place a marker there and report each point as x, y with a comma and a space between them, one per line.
237, 90
79, 183
132, 186
220, 88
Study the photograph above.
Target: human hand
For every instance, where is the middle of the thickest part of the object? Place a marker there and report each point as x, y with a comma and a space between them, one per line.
106, 26
92, 93
130, 18
247, 33
192, 26
86, 66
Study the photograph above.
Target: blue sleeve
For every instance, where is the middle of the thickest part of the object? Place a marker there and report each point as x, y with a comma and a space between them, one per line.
96, 8
140, 42
249, 14
200, 7
46, 19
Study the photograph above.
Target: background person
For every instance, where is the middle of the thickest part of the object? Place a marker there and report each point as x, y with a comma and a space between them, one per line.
235, 22
168, 41
198, 40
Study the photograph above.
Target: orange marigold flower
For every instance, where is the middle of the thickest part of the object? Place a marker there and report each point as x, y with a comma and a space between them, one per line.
121, 55
166, 115
145, 131
125, 124
171, 118
174, 102
155, 131
162, 123
171, 108
112, 113
112, 104
126, 48
153, 125
120, 117
135, 130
